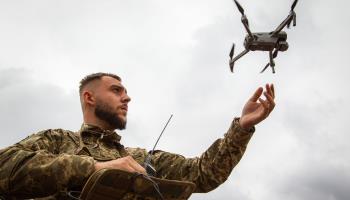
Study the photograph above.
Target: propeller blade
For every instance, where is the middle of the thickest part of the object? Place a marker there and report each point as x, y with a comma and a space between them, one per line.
240, 8
272, 63
294, 4
232, 52
231, 66
275, 54
295, 19
266, 66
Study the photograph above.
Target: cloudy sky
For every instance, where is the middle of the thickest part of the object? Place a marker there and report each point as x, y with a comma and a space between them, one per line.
173, 58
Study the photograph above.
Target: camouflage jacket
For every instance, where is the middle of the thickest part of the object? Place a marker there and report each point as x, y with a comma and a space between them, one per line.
47, 164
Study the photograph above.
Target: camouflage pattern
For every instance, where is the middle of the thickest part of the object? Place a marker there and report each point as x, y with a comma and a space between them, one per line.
112, 184
47, 164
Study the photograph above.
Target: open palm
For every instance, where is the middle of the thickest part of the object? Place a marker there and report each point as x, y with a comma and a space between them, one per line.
257, 109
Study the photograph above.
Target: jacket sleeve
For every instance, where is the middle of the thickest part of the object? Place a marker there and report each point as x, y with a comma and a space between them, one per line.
210, 169
34, 167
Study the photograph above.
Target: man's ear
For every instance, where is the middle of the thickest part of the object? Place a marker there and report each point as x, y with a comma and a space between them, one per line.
89, 98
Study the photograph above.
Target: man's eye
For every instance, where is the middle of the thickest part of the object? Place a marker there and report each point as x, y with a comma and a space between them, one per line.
118, 90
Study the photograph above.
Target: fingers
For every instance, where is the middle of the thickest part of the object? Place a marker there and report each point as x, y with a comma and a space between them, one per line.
136, 166
266, 107
256, 94
271, 96
133, 166
269, 103
273, 90
270, 90
126, 163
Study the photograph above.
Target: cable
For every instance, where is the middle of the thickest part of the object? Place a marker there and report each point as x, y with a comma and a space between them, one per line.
74, 194
155, 185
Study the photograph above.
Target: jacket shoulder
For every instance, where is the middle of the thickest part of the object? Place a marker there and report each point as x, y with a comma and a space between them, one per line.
50, 139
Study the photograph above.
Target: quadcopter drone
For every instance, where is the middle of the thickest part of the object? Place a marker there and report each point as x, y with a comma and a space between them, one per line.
273, 42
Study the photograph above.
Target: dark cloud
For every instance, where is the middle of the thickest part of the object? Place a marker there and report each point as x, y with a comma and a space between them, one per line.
318, 180
319, 165
28, 106
225, 191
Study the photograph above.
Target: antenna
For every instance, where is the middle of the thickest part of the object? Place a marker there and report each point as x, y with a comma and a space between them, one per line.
149, 168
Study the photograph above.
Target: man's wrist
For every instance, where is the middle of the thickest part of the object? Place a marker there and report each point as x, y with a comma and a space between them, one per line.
244, 128
99, 165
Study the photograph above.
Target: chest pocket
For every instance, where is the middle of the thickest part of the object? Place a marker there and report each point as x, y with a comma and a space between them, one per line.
98, 151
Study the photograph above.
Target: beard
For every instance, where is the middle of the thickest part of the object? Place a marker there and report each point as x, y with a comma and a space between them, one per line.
103, 112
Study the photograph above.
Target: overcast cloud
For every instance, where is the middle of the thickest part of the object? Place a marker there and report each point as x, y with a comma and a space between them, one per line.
173, 58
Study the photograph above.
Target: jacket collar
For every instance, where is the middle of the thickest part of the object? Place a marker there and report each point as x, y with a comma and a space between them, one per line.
89, 130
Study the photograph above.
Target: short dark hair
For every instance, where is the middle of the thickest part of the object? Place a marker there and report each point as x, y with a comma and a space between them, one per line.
87, 79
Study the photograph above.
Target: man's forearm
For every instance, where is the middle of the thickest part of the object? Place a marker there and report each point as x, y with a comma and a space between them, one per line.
29, 174
213, 167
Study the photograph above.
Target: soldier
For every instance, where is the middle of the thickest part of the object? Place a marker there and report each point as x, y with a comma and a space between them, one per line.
47, 164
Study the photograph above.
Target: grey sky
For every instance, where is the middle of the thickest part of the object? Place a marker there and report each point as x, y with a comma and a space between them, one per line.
173, 58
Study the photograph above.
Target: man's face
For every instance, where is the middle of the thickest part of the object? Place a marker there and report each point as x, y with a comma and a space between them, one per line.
112, 102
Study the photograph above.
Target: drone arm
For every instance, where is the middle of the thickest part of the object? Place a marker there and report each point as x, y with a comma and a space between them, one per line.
291, 17
232, 61
246, 25
285, 23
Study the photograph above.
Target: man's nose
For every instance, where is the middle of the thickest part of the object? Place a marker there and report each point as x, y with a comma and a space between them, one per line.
126, 98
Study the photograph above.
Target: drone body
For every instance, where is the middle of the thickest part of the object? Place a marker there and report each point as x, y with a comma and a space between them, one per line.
266, 42
273, 42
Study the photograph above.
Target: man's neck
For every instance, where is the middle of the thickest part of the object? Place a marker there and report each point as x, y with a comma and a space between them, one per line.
99, 123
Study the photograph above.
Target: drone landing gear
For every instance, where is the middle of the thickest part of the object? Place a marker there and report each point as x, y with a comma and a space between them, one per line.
272, 62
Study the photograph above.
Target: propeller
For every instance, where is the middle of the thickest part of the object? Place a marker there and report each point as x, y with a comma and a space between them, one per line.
244, 18
294, 4
266, 66
232, 52
240, 8
293, 14
291, 17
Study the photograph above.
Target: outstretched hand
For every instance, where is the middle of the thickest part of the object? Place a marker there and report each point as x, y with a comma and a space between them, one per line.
254, 111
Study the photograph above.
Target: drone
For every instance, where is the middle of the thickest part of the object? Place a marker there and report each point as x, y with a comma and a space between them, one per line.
273, 42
